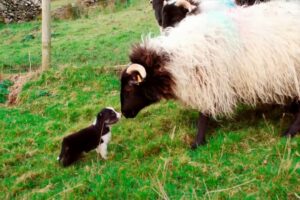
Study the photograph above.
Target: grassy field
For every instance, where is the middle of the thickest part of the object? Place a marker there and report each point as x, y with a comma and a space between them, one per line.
149, 156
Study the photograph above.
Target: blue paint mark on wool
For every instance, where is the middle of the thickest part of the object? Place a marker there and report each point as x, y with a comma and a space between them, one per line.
229, 3
223, 16
223, 20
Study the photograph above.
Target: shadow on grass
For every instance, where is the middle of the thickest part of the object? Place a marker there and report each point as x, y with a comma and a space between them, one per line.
278, 116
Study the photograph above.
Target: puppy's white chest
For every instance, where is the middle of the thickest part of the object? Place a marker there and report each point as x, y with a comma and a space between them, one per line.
106, 138
102, 147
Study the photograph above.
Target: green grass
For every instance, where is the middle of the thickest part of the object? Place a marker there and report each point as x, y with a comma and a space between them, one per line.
98, 40
4, 85
149, 156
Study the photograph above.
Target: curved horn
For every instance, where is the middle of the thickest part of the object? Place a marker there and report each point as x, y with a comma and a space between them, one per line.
136, 67
168, 2
187, 5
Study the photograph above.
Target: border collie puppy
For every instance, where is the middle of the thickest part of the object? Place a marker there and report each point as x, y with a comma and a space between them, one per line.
96, 136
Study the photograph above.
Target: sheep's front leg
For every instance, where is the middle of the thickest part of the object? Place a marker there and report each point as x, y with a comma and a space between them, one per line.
294, 128
202, 126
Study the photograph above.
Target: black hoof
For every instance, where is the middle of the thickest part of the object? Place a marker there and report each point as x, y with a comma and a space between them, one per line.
288, 133
196, 144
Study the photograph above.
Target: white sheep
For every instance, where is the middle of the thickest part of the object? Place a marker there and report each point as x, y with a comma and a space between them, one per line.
214, 61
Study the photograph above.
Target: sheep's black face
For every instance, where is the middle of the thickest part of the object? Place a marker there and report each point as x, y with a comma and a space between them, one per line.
67, 156
157, 7
246, 2
133, 98
172, 14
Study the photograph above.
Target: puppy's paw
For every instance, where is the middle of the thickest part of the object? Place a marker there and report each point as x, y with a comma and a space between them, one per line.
289, 133
102, 151
104, 157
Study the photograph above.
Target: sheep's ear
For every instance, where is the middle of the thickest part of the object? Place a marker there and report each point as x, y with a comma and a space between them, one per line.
185, 4
136, 79
137, 73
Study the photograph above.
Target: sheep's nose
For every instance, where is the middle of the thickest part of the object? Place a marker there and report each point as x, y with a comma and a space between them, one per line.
130, 114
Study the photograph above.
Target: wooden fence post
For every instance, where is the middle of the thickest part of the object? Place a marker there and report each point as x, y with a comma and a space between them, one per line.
46, 34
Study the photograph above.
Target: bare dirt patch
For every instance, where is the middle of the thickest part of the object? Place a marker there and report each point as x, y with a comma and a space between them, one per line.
19, 81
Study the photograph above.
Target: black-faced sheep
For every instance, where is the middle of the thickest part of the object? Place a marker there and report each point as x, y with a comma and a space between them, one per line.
157, 6
168, 13
175, 11
215, 61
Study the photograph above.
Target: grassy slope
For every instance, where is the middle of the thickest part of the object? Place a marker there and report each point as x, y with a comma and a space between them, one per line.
149, 156
99, 40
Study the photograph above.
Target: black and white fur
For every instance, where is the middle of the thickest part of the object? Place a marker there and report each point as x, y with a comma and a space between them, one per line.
96, 136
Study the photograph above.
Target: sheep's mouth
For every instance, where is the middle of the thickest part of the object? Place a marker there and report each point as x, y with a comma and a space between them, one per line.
130, 114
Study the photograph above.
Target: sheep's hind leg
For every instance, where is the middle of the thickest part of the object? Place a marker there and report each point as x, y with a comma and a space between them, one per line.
202, 126
295, 127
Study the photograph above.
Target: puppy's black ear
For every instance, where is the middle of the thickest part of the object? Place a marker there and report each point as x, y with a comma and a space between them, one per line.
99, 118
